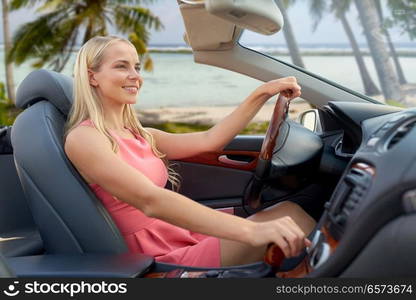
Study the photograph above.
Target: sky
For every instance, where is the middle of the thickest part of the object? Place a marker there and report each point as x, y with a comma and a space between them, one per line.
329, 31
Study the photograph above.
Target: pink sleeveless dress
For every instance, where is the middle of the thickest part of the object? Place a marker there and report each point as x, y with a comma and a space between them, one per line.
165, 242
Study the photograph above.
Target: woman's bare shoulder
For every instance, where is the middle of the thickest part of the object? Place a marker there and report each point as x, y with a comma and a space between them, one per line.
86, 147
85, 137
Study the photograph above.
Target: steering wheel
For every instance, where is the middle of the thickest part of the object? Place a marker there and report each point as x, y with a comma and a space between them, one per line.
252, 195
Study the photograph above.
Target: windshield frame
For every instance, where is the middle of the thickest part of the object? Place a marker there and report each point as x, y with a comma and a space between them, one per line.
309, 73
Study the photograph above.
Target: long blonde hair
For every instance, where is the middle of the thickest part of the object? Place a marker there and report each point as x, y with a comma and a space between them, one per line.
87, 104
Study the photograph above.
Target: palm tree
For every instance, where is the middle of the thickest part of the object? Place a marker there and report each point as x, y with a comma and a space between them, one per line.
404, 15
339, 8
7, 45
394, 55
289, 35
372, 29
53, 36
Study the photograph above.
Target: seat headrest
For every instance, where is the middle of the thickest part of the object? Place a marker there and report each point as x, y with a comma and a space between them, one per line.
47, 85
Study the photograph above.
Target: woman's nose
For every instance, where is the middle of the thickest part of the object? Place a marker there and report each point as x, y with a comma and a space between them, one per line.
134, 74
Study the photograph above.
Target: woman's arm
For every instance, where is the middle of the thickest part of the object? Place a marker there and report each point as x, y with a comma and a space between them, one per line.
222, 133
177, 146
91, 154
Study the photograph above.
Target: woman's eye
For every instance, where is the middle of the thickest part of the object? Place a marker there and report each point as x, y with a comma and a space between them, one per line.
137, 69
120, 66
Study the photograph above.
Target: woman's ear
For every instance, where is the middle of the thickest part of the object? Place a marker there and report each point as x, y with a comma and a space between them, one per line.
91, 79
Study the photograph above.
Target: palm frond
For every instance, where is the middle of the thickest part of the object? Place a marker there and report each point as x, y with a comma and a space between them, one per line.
44, 39
132, 2
128, 17
148, 63
340, 7
17, 4
141, 48
94, 20
403, 15
60, 60
52, 5
52, 37
317, 8
29, 38
88, 31
138, 42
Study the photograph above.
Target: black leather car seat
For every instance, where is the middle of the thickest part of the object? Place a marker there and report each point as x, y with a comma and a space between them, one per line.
68, 215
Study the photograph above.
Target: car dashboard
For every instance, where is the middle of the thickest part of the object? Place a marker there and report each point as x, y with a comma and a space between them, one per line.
377, 187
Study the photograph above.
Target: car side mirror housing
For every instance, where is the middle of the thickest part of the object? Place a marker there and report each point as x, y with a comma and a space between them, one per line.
261, 16
310, 119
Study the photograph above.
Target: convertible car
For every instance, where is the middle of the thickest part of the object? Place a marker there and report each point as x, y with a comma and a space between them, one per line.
350, 163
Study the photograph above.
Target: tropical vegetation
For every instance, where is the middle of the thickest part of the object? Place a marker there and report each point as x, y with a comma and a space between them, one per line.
376, 30
62, 25
8, 111
339, 9
403, 16
393, 53
288, 33
372, 25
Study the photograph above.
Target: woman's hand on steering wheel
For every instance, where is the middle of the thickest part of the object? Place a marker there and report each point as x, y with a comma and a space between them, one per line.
287, 86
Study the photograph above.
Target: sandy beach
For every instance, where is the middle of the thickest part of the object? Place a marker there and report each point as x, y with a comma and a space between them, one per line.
209, 114
409, 93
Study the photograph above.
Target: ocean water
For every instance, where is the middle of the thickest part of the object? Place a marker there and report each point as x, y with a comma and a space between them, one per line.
178, 82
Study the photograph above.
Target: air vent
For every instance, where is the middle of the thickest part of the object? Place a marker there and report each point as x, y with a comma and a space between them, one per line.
400, 133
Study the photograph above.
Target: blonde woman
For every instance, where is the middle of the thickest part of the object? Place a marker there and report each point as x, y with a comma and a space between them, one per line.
126, 166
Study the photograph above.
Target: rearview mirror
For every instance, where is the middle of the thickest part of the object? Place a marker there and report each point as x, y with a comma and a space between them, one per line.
262, 16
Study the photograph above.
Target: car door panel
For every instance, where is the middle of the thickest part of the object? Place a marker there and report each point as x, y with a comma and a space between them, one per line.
218, 179
205, 182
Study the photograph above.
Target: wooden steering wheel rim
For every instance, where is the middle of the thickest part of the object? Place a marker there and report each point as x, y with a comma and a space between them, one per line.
279, 115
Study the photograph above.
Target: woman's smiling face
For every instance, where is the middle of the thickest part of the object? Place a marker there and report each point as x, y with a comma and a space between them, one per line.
118, 78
